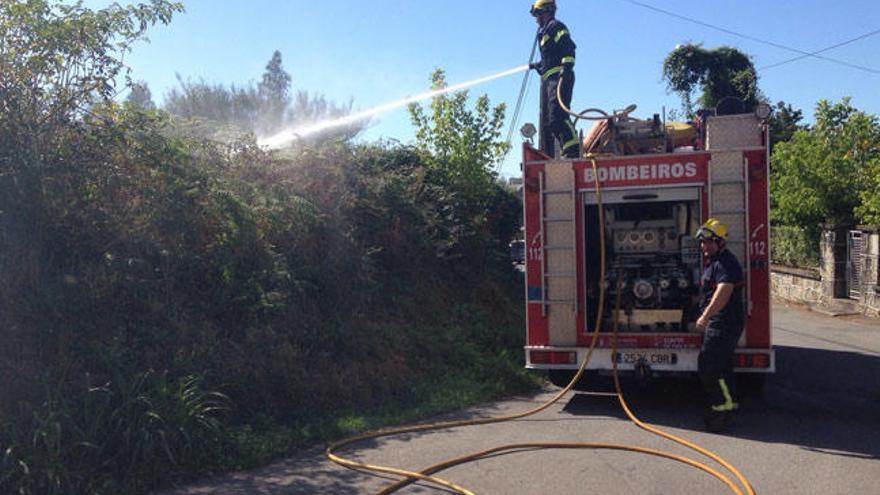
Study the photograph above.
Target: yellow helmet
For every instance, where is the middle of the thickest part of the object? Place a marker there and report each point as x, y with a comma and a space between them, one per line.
543, 6
712, 229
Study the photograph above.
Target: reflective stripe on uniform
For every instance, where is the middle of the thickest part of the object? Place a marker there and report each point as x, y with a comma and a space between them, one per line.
729, 404
552, 71
568, 144
545, 39
560, 34
568, 60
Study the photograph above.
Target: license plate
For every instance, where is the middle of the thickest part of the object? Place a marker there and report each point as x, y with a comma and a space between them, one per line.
650, 358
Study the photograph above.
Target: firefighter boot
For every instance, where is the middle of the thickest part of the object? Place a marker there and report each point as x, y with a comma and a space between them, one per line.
720, 421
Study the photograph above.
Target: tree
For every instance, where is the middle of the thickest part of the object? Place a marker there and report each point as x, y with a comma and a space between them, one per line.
460, 148
827, 173
219, 112
214, 110
720, 73
140, 96
464, 143
58, 60
784, 123
274, 91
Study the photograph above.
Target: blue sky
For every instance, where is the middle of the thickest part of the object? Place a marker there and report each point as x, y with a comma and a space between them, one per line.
376, 51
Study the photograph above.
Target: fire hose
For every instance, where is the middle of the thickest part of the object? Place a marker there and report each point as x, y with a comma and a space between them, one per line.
427, 474
585, 114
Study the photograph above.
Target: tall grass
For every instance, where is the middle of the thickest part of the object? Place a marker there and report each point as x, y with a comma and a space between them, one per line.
123, 436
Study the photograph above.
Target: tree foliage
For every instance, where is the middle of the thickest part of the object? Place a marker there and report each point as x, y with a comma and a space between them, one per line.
463, 146
274, 91
784, 122
215, 110
58, 59
463, 143
827, 173
141, 96
718, 73
224, 113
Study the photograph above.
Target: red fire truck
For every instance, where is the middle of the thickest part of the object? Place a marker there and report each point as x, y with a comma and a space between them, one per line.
654, 194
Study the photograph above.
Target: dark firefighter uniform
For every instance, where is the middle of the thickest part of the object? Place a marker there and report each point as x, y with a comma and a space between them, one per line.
557, 59
715, 364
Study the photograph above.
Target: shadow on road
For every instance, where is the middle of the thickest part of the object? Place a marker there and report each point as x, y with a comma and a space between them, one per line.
823, 400
295, 476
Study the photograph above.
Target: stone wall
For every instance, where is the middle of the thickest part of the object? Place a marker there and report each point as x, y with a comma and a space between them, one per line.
796, 284
832, 261
870, 276
827, 285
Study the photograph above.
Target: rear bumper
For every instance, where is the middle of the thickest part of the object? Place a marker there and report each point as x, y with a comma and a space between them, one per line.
658, 359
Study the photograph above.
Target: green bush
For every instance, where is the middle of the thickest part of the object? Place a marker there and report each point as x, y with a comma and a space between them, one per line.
794, 246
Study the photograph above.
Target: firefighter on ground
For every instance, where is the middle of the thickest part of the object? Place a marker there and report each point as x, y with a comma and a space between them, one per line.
557, 62
721, 321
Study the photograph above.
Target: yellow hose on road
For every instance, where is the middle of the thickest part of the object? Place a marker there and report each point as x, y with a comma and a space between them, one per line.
426, 474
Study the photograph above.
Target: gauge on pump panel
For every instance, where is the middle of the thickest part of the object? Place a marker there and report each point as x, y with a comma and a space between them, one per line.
643, 289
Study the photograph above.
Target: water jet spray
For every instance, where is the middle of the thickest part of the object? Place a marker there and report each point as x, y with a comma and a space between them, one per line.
291, 134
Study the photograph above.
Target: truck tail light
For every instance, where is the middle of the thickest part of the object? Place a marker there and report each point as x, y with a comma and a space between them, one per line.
552, 357
760, 361
752, 360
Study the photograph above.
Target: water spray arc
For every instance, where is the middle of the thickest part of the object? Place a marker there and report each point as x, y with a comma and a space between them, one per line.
291, 134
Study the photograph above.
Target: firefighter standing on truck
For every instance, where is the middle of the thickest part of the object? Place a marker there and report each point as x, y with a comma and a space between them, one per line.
721, 322
557, 62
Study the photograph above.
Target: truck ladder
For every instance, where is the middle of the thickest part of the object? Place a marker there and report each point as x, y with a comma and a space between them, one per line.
728, 187
559, 251
727, 198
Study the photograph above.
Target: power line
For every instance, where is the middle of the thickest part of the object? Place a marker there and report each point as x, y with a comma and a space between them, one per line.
755, 39
866, 35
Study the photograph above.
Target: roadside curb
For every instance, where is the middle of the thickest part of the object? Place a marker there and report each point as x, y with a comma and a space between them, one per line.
828, 311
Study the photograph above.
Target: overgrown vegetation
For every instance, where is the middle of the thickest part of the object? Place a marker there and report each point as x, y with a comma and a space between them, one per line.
173, 307
828, 172
794, 246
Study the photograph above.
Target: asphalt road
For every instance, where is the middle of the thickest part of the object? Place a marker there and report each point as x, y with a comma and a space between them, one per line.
816, 430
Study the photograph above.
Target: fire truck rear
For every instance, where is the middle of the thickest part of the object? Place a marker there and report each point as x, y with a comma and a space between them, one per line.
657, 184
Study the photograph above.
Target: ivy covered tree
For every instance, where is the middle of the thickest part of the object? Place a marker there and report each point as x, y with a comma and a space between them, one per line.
828, 173
718, 73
